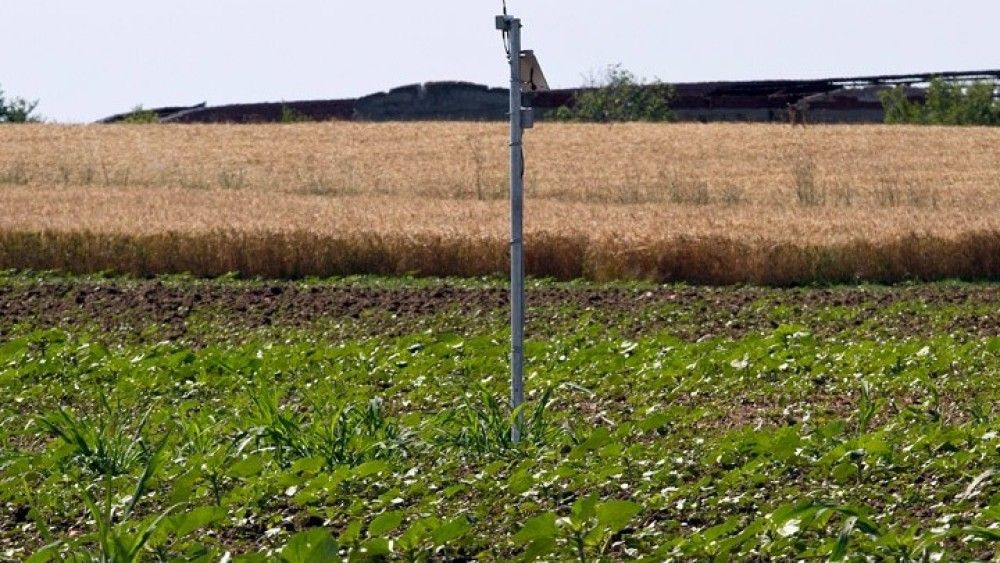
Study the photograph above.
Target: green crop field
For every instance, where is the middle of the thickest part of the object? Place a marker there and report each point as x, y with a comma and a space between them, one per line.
366, 419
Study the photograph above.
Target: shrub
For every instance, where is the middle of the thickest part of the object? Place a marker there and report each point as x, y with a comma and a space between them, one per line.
292, 115
140, 115
18, 110
620, 96
947, 103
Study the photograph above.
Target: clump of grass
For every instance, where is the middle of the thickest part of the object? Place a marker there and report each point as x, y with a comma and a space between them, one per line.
117, 541
687, 191
923, 196
478, 164
482, 424
232, 179
348, 435
104, 446
843, 195
732, 196
15, 174
807, 190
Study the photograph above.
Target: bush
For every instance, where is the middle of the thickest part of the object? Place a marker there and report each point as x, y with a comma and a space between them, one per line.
292, 115
18, 110
140, 115
947, 103
620, 96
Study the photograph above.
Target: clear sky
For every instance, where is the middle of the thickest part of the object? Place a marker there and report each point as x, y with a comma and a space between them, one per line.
85, 59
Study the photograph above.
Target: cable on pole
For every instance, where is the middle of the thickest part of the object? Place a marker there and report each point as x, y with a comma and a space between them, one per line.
503, 34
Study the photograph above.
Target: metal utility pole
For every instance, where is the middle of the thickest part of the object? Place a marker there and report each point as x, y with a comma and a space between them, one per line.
512, 26
522, 64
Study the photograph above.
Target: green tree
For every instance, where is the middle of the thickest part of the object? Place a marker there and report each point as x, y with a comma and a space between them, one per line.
18, 110
899, 109
978, 106
619, 96
946, 103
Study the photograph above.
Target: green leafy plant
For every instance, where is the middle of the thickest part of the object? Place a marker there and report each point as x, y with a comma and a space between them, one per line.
619, 96
789, 522
117, 542
484, 424
120, 538
291, 115
868, 406
588, 529
18, 110
104, 446
663, 439
945, 103
346, 435
427, 536
217, 463
310, 546
139, 115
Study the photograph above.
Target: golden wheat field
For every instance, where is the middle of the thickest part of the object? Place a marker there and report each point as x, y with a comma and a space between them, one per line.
721, 203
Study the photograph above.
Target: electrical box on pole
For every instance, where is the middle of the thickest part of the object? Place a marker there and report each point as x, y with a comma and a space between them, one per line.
525, 74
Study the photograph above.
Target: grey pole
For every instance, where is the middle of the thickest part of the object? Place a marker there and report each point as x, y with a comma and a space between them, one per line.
513, 27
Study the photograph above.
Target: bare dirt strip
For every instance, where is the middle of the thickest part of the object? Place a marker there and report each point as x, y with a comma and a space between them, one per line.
690, 312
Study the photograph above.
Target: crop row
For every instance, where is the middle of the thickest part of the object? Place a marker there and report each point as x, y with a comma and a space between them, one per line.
777, 444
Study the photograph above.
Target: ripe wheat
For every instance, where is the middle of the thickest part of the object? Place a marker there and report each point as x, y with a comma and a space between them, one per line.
699, 203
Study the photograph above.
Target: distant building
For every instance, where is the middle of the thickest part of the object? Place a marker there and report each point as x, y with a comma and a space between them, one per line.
835, 100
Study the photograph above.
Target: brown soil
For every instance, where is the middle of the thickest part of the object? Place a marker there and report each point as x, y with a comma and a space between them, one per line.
690, 312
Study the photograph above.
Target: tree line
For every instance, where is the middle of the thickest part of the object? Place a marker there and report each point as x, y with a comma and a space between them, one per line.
945, 103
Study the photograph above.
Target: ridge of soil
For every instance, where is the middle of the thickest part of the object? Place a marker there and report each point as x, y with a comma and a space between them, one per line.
691, 312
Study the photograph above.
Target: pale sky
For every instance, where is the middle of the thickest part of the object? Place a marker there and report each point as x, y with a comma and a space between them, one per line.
85, 59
